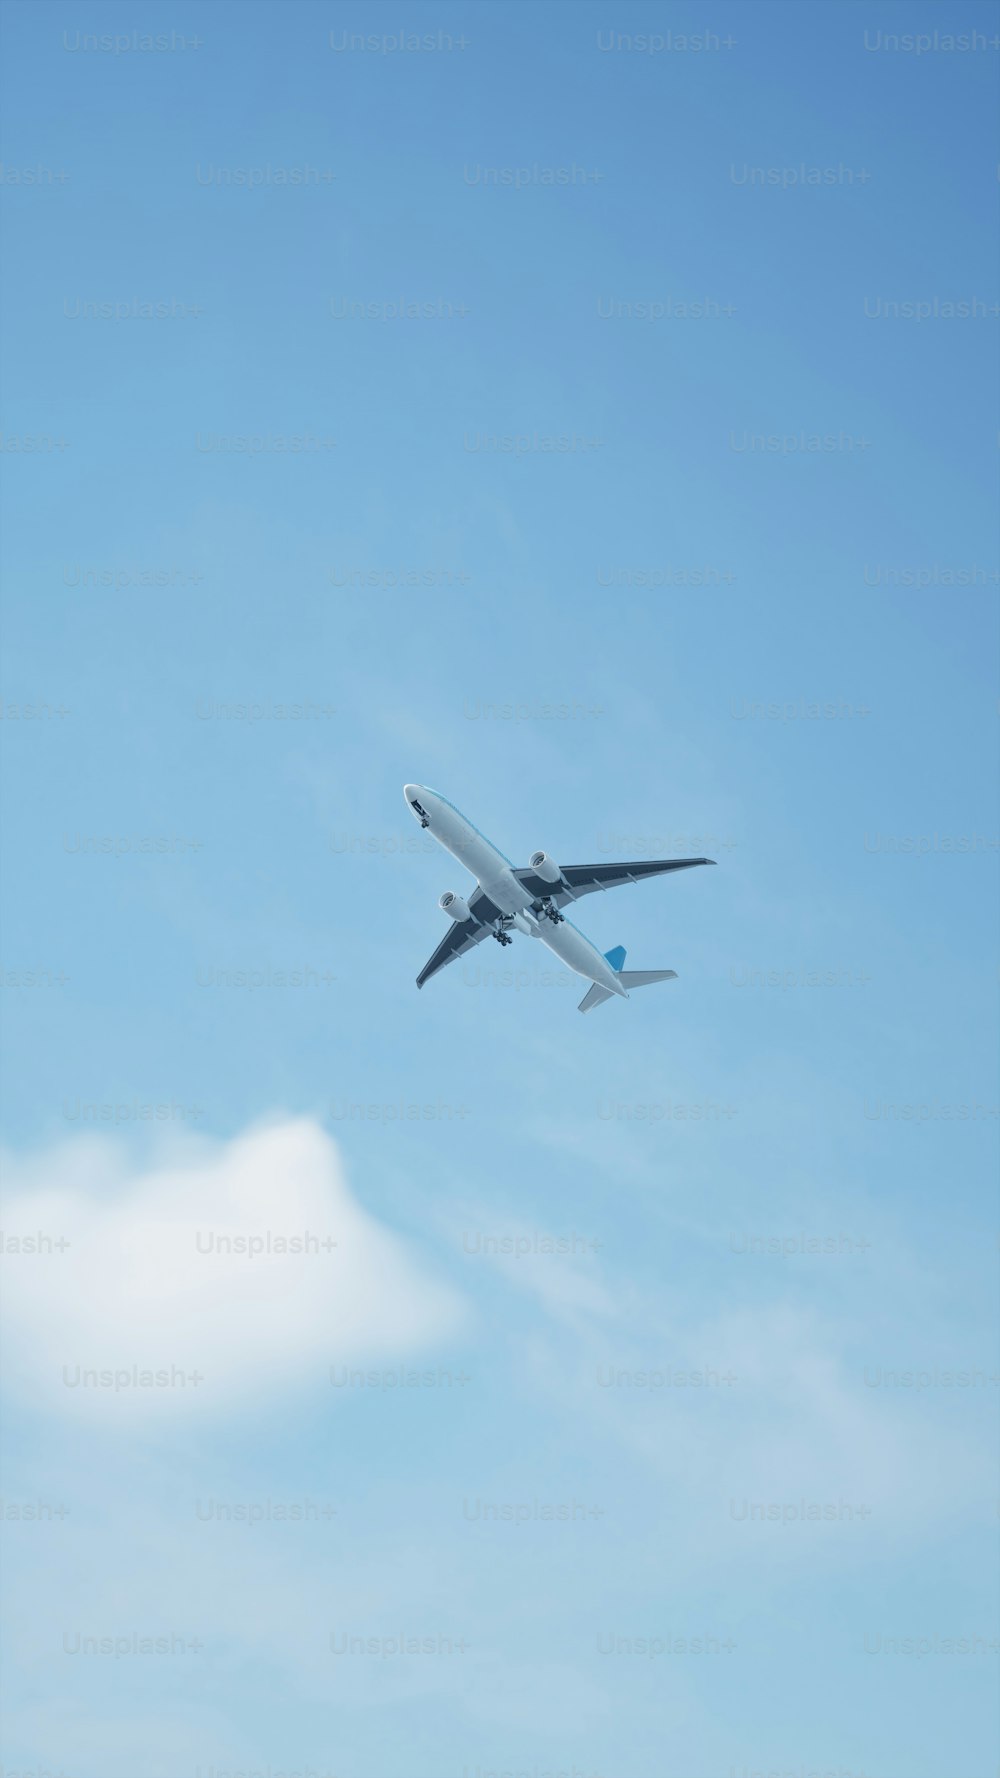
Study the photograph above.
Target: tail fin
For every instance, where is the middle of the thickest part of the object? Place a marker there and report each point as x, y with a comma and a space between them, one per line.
629, 978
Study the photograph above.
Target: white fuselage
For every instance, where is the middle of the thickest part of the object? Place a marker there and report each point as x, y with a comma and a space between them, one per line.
495, 876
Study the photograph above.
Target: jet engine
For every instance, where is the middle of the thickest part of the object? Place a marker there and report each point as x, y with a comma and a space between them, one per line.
543, 867
455, 906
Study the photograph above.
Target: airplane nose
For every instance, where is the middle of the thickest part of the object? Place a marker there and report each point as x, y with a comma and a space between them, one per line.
411, 792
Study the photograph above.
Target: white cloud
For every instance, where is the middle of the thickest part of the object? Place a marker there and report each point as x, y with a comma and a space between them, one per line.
142, 1282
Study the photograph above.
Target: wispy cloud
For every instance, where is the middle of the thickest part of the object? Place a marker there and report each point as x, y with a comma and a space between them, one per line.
248, 1265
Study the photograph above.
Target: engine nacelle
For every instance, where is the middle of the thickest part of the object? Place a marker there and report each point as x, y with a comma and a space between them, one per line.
455, 906
543, 867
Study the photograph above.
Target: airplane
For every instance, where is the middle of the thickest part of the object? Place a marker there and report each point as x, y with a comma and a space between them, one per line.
529, 901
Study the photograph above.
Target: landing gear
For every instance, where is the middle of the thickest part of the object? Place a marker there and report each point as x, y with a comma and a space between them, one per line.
547, 910
503, 938
501, 933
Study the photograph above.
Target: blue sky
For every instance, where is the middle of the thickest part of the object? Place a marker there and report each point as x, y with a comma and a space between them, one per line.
651, 1383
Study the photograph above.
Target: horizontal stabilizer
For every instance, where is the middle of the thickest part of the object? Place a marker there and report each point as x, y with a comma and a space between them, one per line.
629, 978
594, 997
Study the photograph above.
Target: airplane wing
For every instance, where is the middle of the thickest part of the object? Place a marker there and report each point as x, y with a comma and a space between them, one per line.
583, 879
462, 936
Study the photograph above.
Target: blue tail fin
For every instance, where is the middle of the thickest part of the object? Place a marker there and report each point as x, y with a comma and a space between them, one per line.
616, 957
